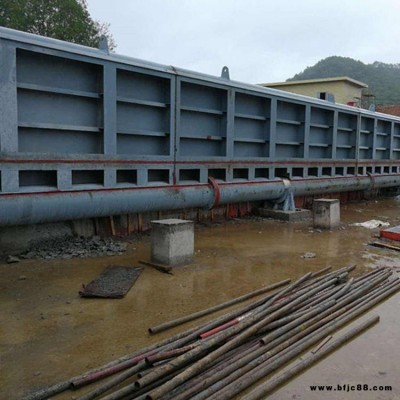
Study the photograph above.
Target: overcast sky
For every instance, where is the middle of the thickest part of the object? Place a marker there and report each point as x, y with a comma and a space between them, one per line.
259, 40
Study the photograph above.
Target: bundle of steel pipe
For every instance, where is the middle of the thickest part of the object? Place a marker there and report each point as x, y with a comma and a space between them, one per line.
221, 358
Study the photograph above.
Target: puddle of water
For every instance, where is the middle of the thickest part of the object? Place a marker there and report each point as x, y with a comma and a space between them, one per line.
48, 333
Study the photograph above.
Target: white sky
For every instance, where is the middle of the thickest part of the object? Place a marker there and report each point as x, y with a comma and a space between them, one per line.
260, 41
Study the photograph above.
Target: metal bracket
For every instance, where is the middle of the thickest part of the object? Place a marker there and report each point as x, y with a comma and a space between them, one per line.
373, 182
217, 192
103, 44
286, 201
225, 73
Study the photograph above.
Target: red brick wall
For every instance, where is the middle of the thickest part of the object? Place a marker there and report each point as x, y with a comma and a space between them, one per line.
392, 110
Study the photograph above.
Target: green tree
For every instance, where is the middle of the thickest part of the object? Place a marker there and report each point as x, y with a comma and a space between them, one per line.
67, 20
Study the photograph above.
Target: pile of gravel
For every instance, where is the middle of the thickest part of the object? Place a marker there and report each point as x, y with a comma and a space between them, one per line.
71, 247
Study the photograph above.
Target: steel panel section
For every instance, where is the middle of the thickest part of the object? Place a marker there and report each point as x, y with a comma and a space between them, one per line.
113, 134
40, 41
8, 99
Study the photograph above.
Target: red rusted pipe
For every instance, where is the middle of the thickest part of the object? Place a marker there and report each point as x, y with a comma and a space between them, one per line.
95, 376
219, 328
152, 359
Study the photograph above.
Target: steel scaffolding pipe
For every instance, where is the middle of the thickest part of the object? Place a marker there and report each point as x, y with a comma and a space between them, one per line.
30, 208
232, 359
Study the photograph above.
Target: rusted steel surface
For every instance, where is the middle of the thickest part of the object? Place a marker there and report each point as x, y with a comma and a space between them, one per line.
152, 359
93, 377
125, 374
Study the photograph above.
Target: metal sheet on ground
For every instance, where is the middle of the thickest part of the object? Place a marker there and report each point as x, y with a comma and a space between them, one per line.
114, 282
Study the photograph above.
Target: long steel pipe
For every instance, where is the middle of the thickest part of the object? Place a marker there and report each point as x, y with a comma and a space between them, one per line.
271, 364
267, 387
29, 208
198, 314
246, 329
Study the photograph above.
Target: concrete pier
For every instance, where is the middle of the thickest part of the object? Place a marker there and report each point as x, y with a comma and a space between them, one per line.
172, 241
290, 216
326, 213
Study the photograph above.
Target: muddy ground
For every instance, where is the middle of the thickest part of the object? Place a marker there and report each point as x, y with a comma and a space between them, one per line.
48, 333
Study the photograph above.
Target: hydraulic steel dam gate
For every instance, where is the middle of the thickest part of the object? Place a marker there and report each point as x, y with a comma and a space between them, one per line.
84, 133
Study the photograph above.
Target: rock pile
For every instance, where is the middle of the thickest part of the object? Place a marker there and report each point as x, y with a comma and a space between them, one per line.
71, 247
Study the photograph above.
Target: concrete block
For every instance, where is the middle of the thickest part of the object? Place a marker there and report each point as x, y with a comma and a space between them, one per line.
326, 213
172, 241
291, 216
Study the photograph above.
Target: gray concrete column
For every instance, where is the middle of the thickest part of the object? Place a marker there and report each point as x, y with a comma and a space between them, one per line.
172, 241
326, 213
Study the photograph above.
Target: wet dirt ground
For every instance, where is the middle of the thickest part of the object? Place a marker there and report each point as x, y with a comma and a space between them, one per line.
48, 333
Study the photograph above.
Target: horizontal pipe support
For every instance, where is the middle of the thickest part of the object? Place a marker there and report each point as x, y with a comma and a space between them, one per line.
30, 208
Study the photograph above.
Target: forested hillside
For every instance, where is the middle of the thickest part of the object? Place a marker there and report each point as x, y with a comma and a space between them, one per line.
383, 79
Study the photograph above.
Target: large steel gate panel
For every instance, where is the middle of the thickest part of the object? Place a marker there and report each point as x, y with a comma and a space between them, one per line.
59, 105
76, 120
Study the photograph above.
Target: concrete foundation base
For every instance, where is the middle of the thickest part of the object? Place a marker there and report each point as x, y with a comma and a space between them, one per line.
172, 241
83, 227
326, 213
291, 216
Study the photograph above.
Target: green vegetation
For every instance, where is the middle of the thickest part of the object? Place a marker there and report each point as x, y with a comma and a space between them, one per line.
382, 79
67, 20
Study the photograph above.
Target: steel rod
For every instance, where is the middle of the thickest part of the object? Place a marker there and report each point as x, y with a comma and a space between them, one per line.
212, 369
152, 359
233, 366
282, 313
320, 272
269, 386
191, 317
331, 312
124, 375
90, 375
124, 362
251, 325
367, 275
277, 304
268, 365
217, 338
273, 348
321, 344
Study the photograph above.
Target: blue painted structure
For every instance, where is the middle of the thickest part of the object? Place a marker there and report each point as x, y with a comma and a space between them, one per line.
84, 133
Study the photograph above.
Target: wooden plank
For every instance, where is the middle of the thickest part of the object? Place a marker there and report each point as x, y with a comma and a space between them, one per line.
162, 268
384, 245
